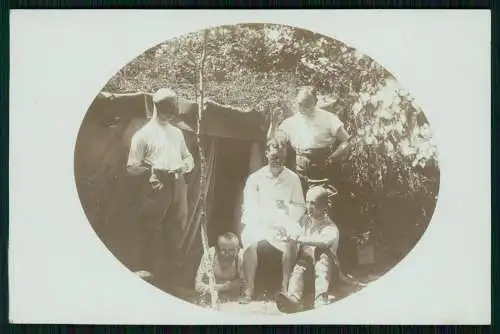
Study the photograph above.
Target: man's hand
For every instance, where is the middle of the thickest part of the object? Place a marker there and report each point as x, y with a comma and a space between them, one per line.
282, 206
179, 170
285, 235
225, 286
155, 183
282, 233
343, 137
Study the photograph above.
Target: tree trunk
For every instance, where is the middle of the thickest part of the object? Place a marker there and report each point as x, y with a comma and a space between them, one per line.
203, 181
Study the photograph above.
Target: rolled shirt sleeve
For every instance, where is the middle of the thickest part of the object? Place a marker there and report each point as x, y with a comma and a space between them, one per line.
137, 151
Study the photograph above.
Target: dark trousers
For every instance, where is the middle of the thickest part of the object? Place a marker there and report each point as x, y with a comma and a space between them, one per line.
312, 165
269, 273
161, 220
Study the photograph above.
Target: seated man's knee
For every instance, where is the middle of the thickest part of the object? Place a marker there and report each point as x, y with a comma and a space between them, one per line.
290, 251
251, 252
306, 260
252, 248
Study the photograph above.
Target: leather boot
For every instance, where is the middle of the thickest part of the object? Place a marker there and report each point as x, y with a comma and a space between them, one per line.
290, 301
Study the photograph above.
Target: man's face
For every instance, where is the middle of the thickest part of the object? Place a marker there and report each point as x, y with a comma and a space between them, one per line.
227, 249
165, 117
166, 110
276, 158
305, 106
315, 208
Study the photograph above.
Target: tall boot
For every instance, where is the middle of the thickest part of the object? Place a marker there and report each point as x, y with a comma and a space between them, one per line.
322, 270
290, 302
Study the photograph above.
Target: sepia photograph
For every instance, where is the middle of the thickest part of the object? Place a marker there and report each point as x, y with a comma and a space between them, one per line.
306, 167
257, 168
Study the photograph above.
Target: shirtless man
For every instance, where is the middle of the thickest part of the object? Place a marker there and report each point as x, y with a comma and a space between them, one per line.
225, 260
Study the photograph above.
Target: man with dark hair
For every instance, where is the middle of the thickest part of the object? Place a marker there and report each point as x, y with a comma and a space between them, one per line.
273, 201
159, 157
317, 136
225, 261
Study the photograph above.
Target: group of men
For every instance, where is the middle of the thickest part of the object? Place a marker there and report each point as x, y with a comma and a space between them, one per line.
284, 211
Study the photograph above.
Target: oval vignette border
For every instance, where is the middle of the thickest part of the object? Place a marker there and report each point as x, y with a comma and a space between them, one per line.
98, 170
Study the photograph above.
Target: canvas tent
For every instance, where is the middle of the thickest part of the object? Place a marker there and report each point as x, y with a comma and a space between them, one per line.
234, 145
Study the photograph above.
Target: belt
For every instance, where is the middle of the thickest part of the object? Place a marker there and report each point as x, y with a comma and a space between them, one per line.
315, 152
162, 173
313, 157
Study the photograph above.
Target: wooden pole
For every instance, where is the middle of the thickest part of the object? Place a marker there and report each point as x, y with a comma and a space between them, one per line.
202, 213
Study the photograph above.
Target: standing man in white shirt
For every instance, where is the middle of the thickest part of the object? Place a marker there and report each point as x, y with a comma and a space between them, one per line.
273, 203
159, 156
317, 136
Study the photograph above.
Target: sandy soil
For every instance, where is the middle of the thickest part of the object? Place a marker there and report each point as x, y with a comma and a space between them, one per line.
267, 306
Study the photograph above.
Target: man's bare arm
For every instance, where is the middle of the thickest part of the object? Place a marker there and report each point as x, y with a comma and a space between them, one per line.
326, 239
343, 137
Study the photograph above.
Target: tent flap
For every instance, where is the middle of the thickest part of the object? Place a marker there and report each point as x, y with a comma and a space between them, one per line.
220, 120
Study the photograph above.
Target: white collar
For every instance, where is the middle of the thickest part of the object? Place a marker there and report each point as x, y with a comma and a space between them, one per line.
270, 175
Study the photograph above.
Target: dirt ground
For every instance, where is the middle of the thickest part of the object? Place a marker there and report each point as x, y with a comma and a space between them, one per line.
266, 306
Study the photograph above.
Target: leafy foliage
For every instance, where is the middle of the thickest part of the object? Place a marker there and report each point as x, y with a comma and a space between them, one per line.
392, 162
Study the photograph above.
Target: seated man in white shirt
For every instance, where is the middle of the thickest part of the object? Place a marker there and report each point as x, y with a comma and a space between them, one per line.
273, 203
317, 265
158, 158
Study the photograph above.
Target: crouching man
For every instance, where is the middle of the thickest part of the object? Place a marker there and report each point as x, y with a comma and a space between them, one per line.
225, 261
317, 263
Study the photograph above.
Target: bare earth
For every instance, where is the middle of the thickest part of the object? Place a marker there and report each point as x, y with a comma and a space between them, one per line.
268, 306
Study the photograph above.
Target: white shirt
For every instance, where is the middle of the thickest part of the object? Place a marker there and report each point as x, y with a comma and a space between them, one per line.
269, 202
318, 130
326, 229
162, 146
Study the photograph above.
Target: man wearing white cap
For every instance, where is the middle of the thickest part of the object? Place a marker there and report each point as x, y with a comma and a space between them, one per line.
273, 203
159, 155
317, 136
